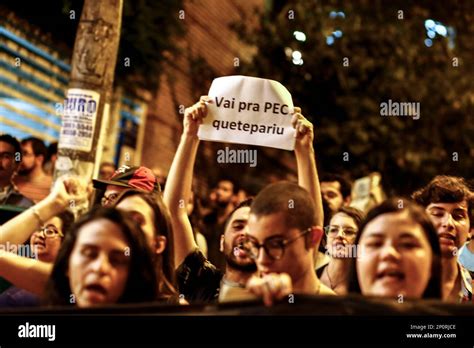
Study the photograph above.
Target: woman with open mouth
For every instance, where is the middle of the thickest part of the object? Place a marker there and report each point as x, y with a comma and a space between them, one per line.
104, 259
399, 254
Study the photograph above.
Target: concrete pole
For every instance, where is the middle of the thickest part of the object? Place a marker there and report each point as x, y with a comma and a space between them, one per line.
86, 109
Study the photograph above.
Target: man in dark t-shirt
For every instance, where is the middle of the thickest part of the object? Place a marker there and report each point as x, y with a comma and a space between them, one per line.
200, 281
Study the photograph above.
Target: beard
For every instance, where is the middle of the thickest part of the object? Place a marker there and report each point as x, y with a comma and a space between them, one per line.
231, 261
24, 171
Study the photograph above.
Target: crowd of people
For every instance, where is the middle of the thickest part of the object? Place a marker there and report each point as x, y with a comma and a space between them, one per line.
146, 239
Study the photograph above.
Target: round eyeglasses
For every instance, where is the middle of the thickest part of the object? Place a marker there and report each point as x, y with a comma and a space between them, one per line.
333, 230
50, 231
274, 246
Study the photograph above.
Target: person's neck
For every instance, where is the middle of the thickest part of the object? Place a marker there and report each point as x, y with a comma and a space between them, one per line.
37, 174
470, 246
236, 276
337, 272
450, 273
309, 283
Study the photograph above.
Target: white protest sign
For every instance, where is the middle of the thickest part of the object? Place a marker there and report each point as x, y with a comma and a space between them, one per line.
249, 110
79, 118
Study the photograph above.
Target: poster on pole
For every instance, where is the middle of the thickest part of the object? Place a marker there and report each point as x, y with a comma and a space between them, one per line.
79, 118
249, 110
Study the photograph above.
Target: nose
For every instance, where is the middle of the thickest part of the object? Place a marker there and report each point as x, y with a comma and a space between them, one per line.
263, 259
389, 252
40, 234
448, 222
101, 264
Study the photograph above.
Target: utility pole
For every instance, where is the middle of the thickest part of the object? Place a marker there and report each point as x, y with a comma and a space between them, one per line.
86, 108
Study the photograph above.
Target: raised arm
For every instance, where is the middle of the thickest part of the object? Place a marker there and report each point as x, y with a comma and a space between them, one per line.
306, 161
25, 273
19, 229
179, 183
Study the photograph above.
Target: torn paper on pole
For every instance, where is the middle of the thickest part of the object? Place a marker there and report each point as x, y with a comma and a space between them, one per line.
79, 118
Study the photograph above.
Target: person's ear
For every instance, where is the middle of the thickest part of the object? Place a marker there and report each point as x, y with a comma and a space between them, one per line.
39, 160
160, 244
221, 244
347, 200
316, 235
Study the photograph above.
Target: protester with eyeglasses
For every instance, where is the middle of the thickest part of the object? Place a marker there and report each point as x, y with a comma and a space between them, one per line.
32, 274
282, 236
399, 256
341, 234
44, 247
126, 178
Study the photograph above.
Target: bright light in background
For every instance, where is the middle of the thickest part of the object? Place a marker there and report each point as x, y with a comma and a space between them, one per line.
441, 30
298, 61
300, 36
335, 14
296, 55
434, 28
288, 51
337, 33
429, 24
329, 40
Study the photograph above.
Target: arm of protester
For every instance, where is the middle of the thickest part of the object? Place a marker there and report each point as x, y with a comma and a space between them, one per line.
306, 161
25, 273
65, 191
180, 177
271, 287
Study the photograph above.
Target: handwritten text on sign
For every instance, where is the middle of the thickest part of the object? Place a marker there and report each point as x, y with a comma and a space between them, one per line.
249, 110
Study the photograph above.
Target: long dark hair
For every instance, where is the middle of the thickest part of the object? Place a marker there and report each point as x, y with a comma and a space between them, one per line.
396, 205
141, 284
164, 262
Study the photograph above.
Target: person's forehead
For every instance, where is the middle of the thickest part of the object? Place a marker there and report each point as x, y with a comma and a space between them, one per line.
103, 233
393, 225
114, 189
240, 214
27, 146
331, 185
136, 204
343, 219
107, 167
6, 147
264, 226
225, 183
448, 206
56, 221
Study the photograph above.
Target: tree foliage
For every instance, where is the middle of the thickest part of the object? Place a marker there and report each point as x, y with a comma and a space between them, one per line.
149, 28
383, 43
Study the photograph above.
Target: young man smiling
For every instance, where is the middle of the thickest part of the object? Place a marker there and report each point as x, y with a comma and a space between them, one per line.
450, 204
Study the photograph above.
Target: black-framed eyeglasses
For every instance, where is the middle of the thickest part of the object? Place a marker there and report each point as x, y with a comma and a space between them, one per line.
109, 200
333, 230
50, 231
273, 246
